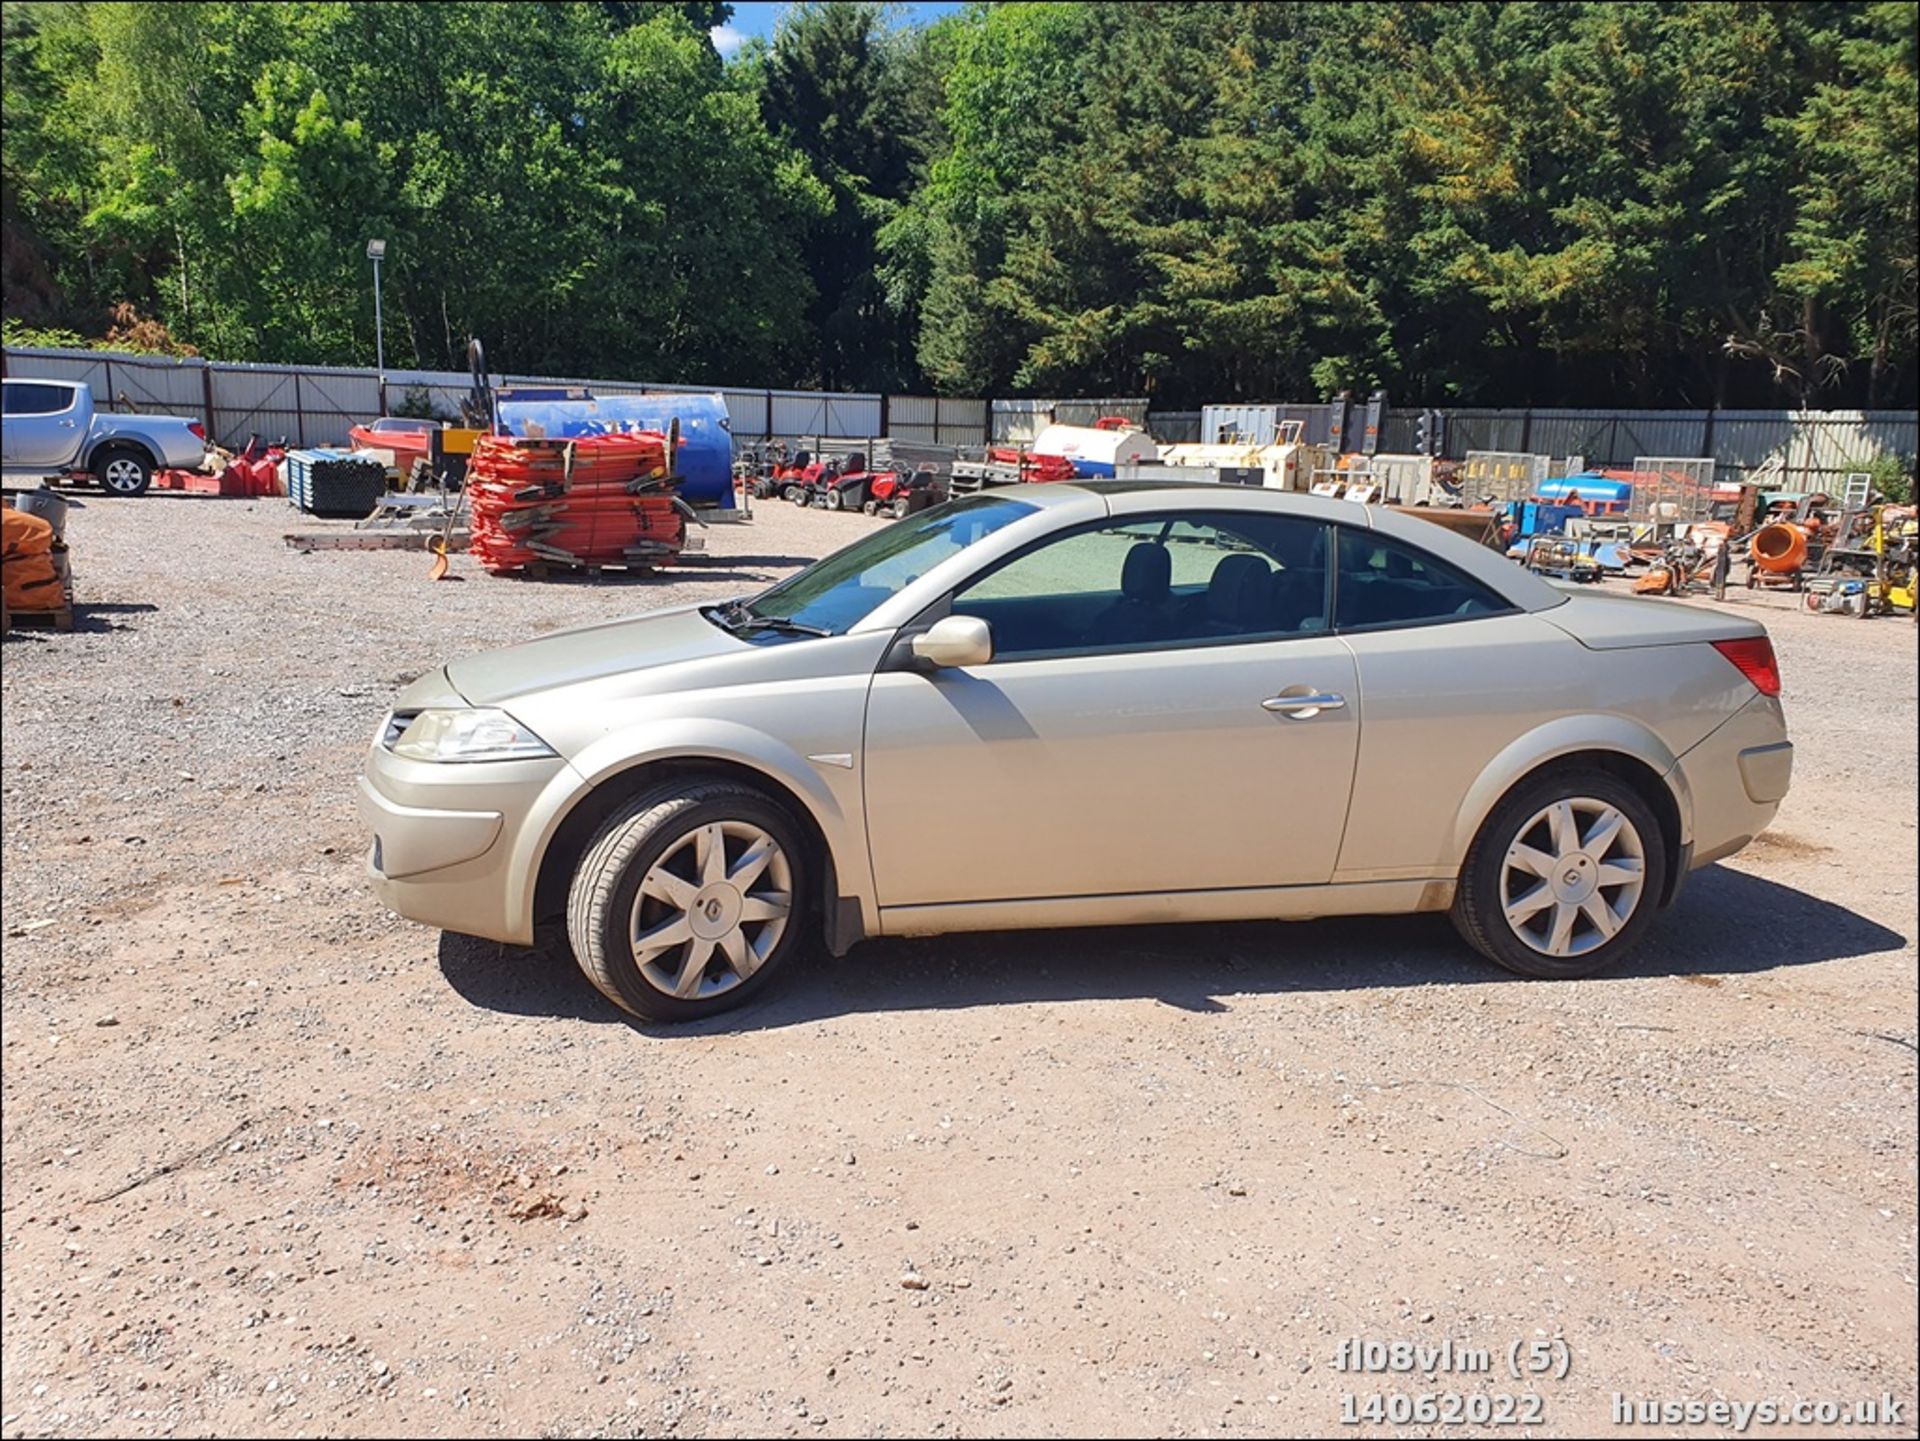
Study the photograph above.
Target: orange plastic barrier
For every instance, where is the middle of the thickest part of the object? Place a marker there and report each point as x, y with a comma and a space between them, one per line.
597, 500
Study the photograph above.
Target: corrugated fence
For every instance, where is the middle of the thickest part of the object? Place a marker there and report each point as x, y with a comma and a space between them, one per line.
316, 405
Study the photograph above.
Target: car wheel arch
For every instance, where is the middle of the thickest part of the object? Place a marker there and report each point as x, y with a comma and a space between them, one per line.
572, 831
120, 442
1621, 747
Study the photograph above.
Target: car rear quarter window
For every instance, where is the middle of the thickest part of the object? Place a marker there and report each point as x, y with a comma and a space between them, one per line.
1383, 583
26, 397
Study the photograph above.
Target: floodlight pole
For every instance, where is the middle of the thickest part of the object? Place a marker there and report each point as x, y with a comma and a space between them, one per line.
376, 250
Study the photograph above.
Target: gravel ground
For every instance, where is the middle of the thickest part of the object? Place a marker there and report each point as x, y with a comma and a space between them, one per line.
277, 1163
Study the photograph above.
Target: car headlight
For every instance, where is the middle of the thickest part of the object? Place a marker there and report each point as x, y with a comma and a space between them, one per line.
474, 734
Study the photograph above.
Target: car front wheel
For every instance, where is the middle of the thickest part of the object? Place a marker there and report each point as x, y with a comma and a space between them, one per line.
1564, 876
689, 900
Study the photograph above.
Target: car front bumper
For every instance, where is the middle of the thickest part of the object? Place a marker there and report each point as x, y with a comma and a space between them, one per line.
446, 838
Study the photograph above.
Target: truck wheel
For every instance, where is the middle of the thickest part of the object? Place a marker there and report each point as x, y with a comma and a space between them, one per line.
689, 899
123, 470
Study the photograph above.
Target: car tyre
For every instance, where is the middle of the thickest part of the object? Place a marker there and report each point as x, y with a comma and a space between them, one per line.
650, 875
123, 470
1564, 876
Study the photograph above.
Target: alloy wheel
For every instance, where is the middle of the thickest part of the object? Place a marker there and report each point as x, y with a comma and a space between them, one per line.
711, 910
123, 475
1574, 875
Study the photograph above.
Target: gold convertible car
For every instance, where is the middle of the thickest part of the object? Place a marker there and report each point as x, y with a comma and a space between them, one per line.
1083, 704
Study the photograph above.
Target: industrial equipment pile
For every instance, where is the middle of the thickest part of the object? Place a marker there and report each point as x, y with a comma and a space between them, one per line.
603, 500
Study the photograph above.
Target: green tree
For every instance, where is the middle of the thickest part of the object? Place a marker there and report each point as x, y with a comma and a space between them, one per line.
849, 91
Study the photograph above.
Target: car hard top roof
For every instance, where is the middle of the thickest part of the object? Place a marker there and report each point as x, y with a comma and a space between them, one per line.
1519, 586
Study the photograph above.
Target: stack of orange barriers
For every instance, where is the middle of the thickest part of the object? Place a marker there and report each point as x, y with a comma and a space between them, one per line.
592, 501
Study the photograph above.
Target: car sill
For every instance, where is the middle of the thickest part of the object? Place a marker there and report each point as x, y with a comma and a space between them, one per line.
1288, 903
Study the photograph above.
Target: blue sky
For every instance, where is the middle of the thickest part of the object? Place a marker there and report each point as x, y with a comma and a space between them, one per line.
760, 19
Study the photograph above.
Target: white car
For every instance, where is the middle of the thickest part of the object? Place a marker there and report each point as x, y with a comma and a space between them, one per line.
1084, 704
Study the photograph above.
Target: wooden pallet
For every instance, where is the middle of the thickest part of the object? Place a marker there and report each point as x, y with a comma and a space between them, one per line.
374, 539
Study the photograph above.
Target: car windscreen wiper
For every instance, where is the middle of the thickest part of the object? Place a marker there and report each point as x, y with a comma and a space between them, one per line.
780, 623
736, 617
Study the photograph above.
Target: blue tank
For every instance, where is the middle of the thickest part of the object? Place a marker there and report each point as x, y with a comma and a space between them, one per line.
706, 441
1594, 490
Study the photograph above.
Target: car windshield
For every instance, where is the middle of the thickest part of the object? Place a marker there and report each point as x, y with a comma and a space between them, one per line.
838, 592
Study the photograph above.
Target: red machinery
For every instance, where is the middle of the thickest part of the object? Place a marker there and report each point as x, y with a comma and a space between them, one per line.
593, 501
250, 473
897, 494
1033, 468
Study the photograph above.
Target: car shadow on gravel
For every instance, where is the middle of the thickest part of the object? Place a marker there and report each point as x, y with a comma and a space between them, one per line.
1727, 922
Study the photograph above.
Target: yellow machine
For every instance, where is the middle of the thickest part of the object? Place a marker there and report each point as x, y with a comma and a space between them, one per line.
1872, 569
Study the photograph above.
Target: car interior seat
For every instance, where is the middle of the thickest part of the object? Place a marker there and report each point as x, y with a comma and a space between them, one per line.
1146, 590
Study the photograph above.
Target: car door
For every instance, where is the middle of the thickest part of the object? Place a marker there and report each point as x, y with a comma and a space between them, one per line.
1451, 673
41, 425
1143, 726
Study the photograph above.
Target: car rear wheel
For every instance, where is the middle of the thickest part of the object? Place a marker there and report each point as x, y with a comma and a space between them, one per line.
1564, 876
123, 470
689, 900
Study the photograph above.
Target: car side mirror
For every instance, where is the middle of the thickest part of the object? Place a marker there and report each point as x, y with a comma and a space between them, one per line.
956, 640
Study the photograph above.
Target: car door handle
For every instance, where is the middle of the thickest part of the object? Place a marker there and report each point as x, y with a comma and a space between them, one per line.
1303, 707
67, 423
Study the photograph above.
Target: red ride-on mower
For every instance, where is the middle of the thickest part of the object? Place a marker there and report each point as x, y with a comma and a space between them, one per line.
897, 495
845, 484
796, 481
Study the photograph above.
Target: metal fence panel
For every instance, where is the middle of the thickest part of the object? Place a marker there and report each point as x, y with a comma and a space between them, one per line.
37, 364
799, 414
1585, 433
334, 401
853, 415
1657, 432
1018, 422
1498, 430
1087, 412
915, 410
961, 422
154, 385
441, 390
1400, 432
248, 400
1175, 427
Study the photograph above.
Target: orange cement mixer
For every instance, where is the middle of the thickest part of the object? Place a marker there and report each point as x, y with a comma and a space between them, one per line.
1779, 547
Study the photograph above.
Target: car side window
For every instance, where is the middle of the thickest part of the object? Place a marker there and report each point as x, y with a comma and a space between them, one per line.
1386, 583
23, 397
1155, 582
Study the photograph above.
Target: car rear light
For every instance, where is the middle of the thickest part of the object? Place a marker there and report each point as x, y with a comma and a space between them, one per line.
1753, 655
199, 431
